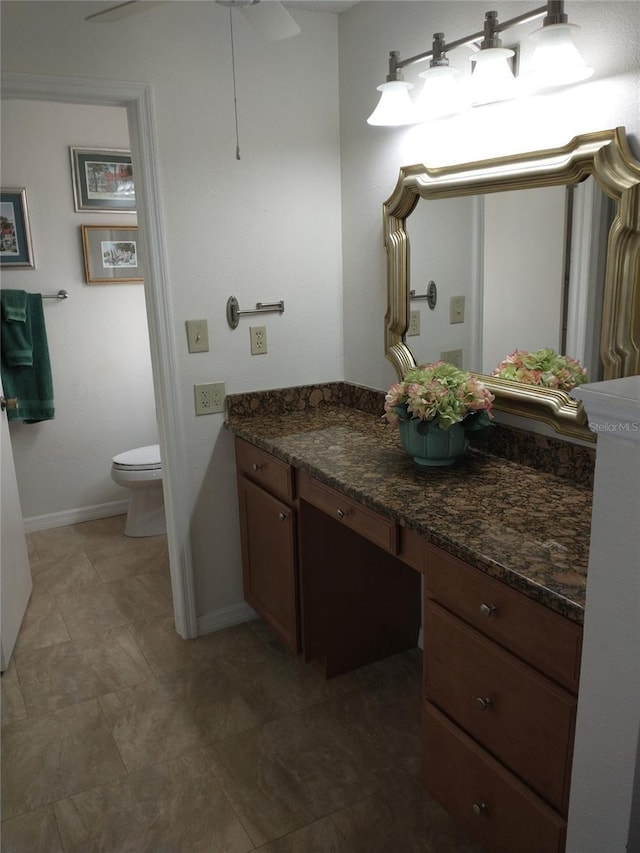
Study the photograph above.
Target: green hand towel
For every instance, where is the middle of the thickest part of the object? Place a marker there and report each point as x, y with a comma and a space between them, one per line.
14, 305
17, 347
31, 384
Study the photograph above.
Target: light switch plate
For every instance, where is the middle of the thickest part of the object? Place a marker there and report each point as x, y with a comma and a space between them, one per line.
197, 336
414, 323
456, 309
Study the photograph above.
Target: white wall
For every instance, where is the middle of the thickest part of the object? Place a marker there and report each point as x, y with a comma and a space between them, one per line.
264, 228
98, 339
444, 239
372, 156
523, 277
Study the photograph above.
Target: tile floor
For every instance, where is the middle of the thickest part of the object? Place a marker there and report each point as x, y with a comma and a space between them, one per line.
119, 736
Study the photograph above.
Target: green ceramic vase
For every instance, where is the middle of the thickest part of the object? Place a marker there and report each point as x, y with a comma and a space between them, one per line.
429, 444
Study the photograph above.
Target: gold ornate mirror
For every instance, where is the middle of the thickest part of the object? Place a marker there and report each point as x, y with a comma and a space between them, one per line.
596, 166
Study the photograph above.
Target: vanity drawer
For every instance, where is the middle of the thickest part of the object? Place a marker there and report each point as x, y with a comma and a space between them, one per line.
518, 715
494, 807
376, 528
261, 467
543, 638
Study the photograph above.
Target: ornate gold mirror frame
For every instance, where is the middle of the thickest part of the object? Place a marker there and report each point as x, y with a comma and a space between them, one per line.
606, 156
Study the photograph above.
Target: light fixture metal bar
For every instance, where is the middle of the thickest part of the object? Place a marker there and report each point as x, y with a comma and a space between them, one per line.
539, 12
524, 18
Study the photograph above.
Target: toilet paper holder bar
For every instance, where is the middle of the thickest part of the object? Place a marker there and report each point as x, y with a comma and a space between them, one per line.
234, 313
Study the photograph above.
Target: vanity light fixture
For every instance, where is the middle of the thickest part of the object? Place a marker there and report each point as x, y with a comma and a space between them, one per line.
492, 78
395, 107
556, 62
442, 93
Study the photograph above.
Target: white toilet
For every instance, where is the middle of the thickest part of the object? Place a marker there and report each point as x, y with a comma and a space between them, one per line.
140, 471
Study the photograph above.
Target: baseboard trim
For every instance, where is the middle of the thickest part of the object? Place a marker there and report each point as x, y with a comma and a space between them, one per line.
225, 617
74, 516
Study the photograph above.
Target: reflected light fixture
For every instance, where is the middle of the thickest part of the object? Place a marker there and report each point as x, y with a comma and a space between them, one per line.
556, 62
395, 107
492, 77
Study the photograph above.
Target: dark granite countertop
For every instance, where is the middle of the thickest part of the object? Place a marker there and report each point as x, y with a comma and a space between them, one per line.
525, 527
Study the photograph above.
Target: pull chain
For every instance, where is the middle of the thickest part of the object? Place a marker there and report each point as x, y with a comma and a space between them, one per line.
233, 72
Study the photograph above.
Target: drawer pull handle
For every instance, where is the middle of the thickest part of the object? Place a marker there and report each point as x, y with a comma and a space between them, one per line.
487, 610
483, 703
480, 809
283, 516
256, 466
340, 513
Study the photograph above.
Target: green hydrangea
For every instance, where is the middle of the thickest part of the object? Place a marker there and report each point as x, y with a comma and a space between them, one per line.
438, 392
544, 367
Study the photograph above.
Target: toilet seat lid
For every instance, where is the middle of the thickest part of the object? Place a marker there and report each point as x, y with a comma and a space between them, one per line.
139, 459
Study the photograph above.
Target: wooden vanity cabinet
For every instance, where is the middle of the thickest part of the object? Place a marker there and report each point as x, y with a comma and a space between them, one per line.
268, 522
500, 685
331, 577
341, 583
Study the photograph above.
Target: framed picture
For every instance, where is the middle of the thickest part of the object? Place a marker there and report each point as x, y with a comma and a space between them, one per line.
15, 234
103, 180
111, 254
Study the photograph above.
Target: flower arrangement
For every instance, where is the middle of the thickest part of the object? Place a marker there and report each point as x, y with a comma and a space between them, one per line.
544, 367
440, 393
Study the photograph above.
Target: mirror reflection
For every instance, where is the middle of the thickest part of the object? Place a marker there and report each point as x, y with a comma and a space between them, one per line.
513, 270
532, 271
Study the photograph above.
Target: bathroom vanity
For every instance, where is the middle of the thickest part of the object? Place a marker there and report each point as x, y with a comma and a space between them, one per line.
339, 526
349, 548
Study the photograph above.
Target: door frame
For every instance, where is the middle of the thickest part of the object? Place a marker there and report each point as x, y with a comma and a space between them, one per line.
137, 98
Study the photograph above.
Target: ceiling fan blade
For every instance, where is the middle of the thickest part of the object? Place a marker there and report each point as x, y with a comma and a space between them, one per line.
122, 10
271, 20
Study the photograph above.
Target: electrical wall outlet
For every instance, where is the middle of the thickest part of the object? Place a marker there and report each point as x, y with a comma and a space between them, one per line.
452, 356
258, 339
197, 335
456, 309
414, 323
209, 398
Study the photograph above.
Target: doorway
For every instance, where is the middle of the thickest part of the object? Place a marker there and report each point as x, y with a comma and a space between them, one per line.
136, 98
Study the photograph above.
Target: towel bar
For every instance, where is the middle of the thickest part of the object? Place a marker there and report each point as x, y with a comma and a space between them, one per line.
234, 312
431, 295
61, 294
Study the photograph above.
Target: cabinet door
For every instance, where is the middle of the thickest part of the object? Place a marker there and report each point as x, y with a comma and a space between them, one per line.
268, 559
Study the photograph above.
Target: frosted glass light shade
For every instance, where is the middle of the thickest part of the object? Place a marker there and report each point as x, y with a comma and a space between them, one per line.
556, 60
492, 78
395, 107
442, 93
